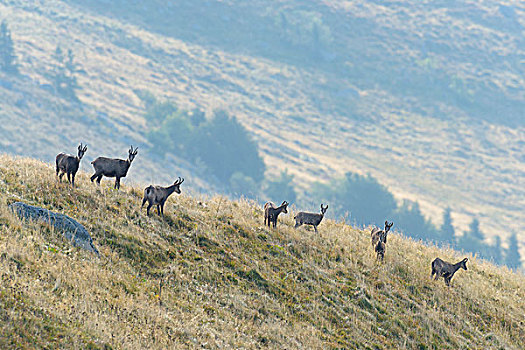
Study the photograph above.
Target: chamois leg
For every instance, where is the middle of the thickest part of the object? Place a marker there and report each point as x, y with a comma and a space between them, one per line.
99, 178
117, 183
69, 177
148, 208
162, 208
315, 229
447, 281
94, 176
73, 179
144, 200
158, 209
297, 225
60, 177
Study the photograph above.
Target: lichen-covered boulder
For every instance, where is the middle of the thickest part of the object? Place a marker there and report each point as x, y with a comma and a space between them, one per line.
70, 228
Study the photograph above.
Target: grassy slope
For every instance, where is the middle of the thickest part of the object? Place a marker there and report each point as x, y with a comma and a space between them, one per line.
482, 164
228, 281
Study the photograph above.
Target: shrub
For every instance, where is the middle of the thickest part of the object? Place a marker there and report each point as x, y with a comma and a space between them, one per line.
281, 188
304, 29
359, 198
242, 185
221, 145
410, 220
225, 146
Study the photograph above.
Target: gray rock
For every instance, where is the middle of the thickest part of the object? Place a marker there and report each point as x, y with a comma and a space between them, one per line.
70, 229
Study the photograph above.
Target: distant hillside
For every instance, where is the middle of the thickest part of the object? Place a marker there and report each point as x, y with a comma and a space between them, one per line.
210, 275
427, 97
436, 52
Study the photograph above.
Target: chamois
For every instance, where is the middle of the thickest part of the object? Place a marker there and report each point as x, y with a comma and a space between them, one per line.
380, 249
376, 233
446, 270
271, 212
68, 164
381, 244
157, 195
111, 167
303, 218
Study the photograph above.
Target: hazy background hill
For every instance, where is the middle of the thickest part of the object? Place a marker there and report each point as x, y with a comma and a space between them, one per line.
426, 97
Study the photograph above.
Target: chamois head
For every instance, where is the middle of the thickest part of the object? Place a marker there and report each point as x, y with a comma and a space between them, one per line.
464, 264
132, 153
177, 184
81, 150
323, 209
388, 226
285, 207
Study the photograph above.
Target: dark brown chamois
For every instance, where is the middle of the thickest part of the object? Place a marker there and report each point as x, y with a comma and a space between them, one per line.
68, 164
313, 219
110, 167
381, 245
271, 212
157, 195
376, 232
444, 269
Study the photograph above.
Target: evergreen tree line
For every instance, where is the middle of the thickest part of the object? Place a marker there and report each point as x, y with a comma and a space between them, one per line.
363, 201
63, 75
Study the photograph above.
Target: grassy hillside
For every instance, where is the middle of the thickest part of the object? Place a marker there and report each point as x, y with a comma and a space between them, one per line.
227, 281
398, 90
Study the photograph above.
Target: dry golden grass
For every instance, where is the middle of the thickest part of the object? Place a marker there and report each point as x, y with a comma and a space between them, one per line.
227, 281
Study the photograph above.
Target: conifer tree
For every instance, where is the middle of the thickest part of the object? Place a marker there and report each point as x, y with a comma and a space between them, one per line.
496, 251
7, 51
513, 258
409, 219
64, 78
474, 231
447, 230
473, 241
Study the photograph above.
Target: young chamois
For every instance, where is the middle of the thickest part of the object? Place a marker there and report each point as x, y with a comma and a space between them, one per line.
381, 245
110, 167
68, 164
271, 212
157, 195
376, 233
446, 270
303, 218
